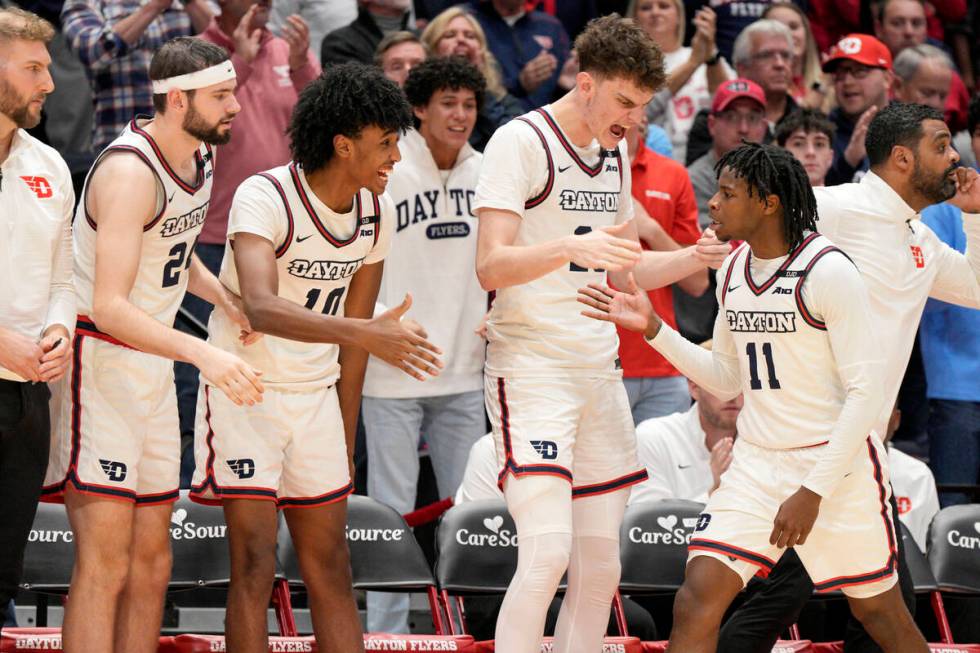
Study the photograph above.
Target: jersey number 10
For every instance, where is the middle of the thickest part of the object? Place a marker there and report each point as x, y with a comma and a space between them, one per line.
754, 381
331, 305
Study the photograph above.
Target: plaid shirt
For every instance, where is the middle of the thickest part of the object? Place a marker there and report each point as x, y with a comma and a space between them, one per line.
118, 72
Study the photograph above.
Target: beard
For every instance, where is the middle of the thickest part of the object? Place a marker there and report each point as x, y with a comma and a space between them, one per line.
936, 188
195, 125
17, 109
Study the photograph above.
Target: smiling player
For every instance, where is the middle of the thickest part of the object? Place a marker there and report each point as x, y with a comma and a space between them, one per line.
305, 249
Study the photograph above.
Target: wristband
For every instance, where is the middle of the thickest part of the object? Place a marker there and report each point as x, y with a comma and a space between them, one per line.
714, 59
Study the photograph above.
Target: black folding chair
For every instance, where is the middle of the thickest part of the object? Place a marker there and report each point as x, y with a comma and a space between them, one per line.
199, 539
653, 547
48, 558
383, 552
954, 552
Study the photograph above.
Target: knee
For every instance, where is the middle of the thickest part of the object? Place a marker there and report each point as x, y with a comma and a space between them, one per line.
152, 564
327, 565
254, 566
876, 614
692, 603
101, 569
547, 559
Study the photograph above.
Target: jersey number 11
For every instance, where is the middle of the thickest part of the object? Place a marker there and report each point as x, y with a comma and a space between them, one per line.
755, 382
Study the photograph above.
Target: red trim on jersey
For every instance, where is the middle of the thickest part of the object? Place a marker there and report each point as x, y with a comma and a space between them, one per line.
336, 242
592, 171
595, 489
321, 500
190, 190
892, 563
728, 275
758, 290
510, 464
149, 164
798, 292
289, 214
765, 564
550, 184
86, 327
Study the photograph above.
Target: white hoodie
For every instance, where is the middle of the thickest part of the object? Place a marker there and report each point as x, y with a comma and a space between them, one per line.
433, 257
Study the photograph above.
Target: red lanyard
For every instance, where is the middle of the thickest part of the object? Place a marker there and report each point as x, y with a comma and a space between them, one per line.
547, 6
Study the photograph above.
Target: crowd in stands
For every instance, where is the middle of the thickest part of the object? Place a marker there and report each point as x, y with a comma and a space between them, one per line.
807, 75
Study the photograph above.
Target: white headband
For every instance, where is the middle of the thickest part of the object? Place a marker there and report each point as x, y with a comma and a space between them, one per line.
216, 74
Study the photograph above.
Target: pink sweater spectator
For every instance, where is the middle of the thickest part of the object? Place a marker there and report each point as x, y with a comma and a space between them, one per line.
267, 91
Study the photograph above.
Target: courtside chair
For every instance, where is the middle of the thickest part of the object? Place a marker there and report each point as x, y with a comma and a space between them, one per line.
384, 555
199, 540
954, 556
653, 548
49, 557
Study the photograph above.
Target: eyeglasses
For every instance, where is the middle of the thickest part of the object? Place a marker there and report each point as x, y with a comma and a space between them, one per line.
772, 55
857, 72
733, 117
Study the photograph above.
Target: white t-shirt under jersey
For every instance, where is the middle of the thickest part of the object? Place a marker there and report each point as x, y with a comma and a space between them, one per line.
903, 263
915, 493
790, 414
536, 328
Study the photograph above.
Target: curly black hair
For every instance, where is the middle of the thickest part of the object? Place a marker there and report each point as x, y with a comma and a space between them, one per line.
345, 99
439, 73
899, 123
771, 170
809, 120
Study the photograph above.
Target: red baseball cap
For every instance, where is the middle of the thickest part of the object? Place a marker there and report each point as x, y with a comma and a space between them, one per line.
862, 48
735, 89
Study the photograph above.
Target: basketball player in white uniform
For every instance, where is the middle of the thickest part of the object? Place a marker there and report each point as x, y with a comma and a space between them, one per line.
306, 243
794, 333
115, 440
555, 212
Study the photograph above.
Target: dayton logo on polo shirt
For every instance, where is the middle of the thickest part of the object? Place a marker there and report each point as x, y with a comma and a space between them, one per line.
39, 186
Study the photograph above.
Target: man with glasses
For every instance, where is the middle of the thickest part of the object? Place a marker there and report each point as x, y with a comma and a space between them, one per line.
763, 54
861, 67
738, 113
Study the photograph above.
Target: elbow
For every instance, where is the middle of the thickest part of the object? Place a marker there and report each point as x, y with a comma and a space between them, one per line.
258, 314
487, 280
103, 315
695, 285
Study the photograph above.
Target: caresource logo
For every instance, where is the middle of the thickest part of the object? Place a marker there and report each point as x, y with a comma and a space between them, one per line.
970, 542
50, 536
495, 534
672, 531
180, 529
375, 534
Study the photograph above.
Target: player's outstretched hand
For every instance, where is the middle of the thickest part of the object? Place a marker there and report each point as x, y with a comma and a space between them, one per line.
604, 249
631, 310
795, 518
711, 251
231, 375
401, 343
967, 197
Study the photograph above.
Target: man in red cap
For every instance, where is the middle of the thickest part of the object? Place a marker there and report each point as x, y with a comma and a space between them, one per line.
861, 67
738, 112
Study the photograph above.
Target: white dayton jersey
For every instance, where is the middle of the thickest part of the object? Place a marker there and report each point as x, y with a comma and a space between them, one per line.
530, 168
318, 251
794, 392
168, 239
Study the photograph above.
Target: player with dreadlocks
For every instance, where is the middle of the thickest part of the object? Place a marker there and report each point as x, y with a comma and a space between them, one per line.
794, 334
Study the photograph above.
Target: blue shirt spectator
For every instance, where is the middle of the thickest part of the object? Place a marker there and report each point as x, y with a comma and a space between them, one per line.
115, 40
522, 42
950, 339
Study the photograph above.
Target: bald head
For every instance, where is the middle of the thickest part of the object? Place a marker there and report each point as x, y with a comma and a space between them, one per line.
923, 74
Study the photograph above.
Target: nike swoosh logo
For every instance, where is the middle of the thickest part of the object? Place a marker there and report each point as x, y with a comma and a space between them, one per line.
683, 466
731, 288
560, 169
302, 238
172, 195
